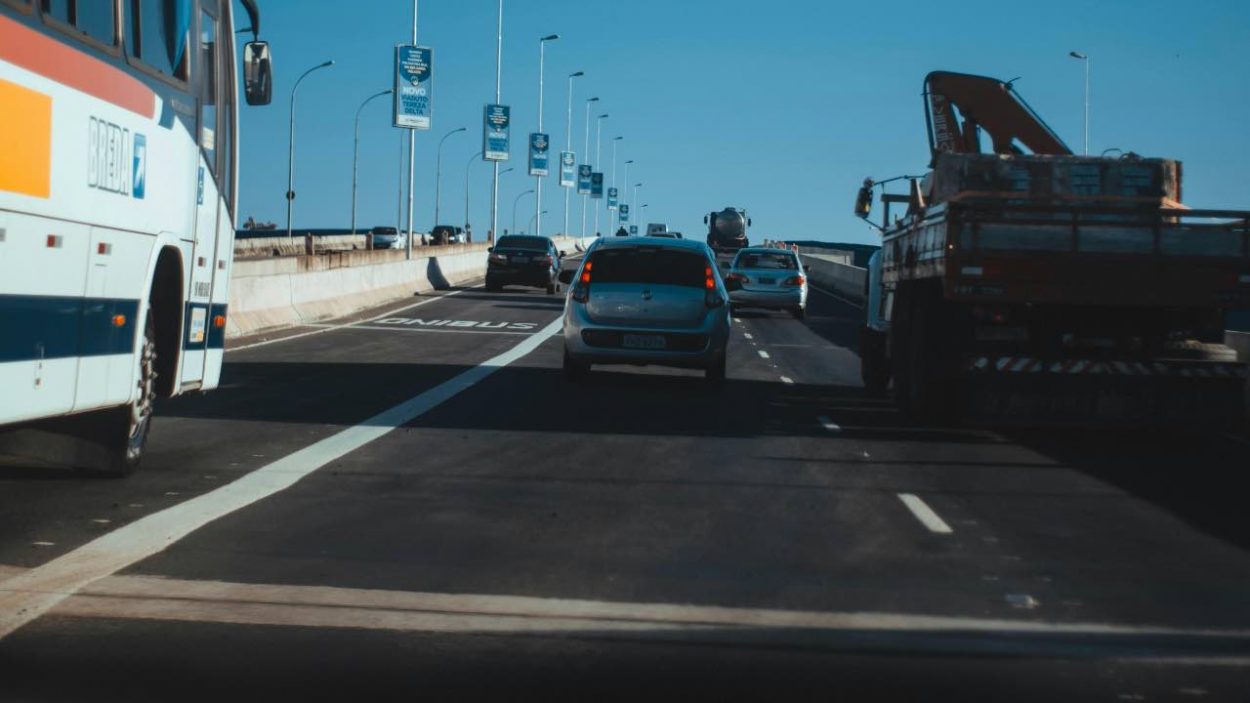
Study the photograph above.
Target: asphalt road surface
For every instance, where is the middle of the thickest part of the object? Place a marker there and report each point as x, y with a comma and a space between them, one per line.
415, 504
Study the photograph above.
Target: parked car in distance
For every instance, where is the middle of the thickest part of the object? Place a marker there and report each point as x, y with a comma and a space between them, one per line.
446, 234
643, 301
385, 237
524, 261
772, 279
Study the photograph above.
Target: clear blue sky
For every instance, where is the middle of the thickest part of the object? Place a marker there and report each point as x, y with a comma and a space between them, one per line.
782, 107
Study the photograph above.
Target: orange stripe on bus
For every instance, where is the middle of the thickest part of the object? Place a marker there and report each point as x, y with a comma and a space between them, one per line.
64, 64
25, 141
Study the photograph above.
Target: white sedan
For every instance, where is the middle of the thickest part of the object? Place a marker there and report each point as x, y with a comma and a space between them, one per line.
772, 279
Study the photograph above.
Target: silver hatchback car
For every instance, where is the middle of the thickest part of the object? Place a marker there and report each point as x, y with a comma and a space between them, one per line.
647, 301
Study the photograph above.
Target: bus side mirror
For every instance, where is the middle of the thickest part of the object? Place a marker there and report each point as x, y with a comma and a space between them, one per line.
257, 73
863, 202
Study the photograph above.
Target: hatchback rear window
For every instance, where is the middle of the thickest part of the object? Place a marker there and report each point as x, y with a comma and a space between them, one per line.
650, 265
525, 243
765, 260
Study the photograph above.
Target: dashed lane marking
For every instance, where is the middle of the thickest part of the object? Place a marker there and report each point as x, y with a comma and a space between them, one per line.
925, 514
27, 596
764, 354
829, 425
396, 328
787, 380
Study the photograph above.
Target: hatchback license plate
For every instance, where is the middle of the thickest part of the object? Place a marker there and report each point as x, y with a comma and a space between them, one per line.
644, 341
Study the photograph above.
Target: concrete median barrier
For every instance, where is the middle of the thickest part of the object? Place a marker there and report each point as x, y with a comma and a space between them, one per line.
284, 291
832, 273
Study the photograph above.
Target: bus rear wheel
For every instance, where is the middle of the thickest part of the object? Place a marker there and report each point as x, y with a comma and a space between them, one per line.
123, 432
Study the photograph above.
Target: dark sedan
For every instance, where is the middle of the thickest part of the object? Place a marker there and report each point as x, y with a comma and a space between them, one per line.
523, 261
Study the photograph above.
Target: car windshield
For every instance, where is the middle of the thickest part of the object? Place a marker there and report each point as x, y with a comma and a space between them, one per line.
766, 260
649, 265
522, 243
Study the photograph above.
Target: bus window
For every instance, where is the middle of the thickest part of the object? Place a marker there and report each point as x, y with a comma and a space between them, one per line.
92, 17
207, 68
156, 34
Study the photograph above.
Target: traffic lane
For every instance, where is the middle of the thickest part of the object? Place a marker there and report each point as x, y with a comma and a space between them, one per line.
274, 400
1122, 527
635, 486
218, 662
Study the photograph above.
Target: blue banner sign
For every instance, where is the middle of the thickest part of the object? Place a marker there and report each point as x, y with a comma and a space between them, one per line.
413, 87
612, 192
568, 172
497, 131
596, 186
583, 179
540, 146
624, 212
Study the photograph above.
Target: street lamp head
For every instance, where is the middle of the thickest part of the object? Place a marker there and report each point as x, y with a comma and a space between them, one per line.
637, 185
460, 129
550, 37
579, 74
327, 64
617, 139
506, 170
592, 100
629, 162
1078, 55
604, 116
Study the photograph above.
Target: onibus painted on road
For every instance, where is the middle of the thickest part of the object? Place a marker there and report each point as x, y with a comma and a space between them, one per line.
118, 184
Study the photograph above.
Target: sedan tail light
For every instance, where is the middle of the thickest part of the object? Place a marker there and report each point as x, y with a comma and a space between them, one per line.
499, 258
794, 281
542, 260
741, 278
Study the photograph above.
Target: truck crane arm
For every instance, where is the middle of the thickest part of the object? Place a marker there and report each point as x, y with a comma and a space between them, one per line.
957, 104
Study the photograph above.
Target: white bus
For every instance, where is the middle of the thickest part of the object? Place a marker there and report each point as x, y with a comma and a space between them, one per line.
118, 184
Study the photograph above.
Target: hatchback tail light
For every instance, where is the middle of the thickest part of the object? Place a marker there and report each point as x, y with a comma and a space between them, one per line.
581, 291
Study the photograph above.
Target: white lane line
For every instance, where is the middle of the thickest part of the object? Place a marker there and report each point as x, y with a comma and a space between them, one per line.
748, 335
764, 354
27, 596
398, 328
156, 598
345, 325
836, 296
787, 380
925, 514
737, 320
829, 425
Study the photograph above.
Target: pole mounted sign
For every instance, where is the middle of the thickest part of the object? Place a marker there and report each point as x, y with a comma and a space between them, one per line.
612, 193
624, 212
596, 186
496, 133
583, 179
413, 86
568, 177
540, 146
633, 229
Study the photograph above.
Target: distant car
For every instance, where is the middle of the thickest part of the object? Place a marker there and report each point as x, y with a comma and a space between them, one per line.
446, 234
385, 237
769, 278
643, 301
524, 261
656, 228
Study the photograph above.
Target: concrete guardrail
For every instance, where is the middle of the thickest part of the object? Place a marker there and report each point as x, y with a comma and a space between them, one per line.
277, 292
832, 272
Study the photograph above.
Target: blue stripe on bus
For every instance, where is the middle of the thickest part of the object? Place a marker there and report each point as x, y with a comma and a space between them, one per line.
214, 337
50, 327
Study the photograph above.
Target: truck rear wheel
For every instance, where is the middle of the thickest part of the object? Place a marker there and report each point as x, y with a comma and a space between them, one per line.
874, 367
931, 390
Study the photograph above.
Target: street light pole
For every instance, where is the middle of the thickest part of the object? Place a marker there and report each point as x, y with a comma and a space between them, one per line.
621, 195
438, 175
514, 204
356, 152
468, 167
617, 209
542, 58
586, 156
535, 217
1084, 58
598, 156
494, 191
568, 146
412, 150
290, 153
